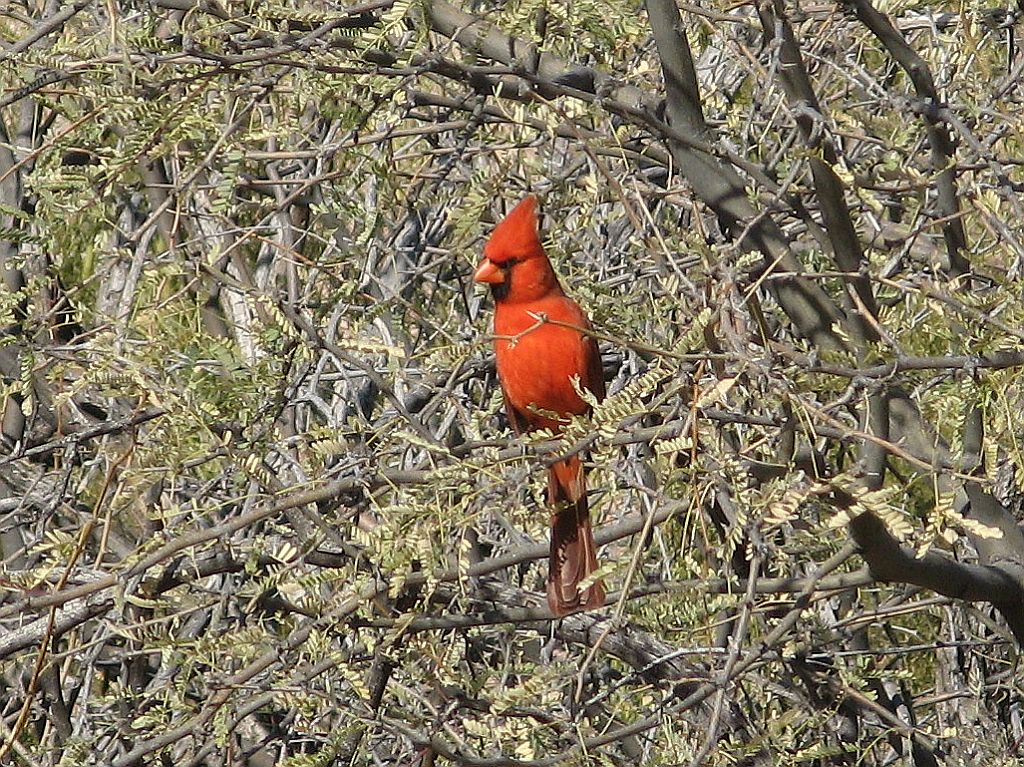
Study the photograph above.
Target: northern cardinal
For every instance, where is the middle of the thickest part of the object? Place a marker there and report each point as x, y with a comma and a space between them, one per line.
540, 345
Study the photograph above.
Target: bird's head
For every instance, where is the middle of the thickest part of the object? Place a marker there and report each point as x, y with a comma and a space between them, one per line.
514, 260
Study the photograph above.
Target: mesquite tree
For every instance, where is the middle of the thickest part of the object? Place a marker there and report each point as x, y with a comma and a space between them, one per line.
258, 502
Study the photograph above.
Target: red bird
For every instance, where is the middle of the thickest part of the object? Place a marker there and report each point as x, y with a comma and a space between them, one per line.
537, 360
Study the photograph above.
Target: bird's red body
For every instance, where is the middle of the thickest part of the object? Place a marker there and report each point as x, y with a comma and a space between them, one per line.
541, 346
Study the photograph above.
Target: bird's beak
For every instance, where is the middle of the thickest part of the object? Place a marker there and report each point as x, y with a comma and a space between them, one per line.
487, 272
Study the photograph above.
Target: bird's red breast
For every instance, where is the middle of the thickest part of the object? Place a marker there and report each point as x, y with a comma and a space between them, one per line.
540, 333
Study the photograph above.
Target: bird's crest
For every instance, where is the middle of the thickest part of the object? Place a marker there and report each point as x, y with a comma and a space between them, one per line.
515, 237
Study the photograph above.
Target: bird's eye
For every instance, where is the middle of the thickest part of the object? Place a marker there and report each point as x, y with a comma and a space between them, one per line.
510, 263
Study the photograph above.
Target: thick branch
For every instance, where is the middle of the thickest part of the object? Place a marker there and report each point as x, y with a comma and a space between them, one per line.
942, 150
722, 189
891, 562
842, 234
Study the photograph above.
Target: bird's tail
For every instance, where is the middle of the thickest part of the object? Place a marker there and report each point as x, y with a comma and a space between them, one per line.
573, 551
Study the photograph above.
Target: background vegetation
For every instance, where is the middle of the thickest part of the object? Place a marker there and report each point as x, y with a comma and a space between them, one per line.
258, 504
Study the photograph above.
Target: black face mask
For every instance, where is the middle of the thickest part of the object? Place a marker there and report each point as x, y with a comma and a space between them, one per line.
500, 289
